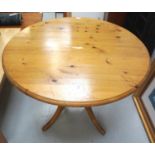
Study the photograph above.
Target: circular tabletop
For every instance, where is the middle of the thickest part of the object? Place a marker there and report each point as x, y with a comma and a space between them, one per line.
76, 62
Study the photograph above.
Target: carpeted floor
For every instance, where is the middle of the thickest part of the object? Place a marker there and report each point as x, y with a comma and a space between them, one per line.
23, 117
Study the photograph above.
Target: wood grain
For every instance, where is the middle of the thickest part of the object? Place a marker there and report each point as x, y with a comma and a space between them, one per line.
76, 62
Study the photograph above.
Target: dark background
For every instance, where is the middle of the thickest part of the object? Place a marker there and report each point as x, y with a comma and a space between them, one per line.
142, 24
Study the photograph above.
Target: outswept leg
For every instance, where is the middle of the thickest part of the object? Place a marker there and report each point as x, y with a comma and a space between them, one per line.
94, 120
89, 112
53, 119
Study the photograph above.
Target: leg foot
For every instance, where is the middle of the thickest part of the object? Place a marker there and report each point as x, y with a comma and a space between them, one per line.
94, 120
53, 119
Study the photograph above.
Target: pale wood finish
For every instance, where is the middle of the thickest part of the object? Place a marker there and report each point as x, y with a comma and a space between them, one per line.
53, 119
94, 120
148, 125
76, 62
5, 35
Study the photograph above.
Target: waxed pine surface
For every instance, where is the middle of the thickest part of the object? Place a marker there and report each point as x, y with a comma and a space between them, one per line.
76, 61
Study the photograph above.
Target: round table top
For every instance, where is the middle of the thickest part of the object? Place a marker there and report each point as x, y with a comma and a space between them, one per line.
76, 61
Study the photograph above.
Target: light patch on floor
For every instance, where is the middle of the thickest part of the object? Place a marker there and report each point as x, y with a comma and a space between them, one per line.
23, 118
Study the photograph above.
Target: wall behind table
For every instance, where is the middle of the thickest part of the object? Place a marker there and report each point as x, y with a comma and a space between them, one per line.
97, 15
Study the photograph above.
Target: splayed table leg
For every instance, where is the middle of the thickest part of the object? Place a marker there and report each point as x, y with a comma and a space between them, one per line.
94, 120
53, 119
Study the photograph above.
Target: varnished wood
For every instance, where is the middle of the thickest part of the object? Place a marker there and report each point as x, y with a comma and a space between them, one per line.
5, 35
94, 120
137, 97
76, 62
53, 119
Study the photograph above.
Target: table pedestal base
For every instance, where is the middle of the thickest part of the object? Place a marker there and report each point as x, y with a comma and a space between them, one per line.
89, 112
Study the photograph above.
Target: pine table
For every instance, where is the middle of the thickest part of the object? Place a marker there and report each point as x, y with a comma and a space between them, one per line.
77, 62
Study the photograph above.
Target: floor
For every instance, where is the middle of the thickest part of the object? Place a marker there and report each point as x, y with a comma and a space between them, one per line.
23, 117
